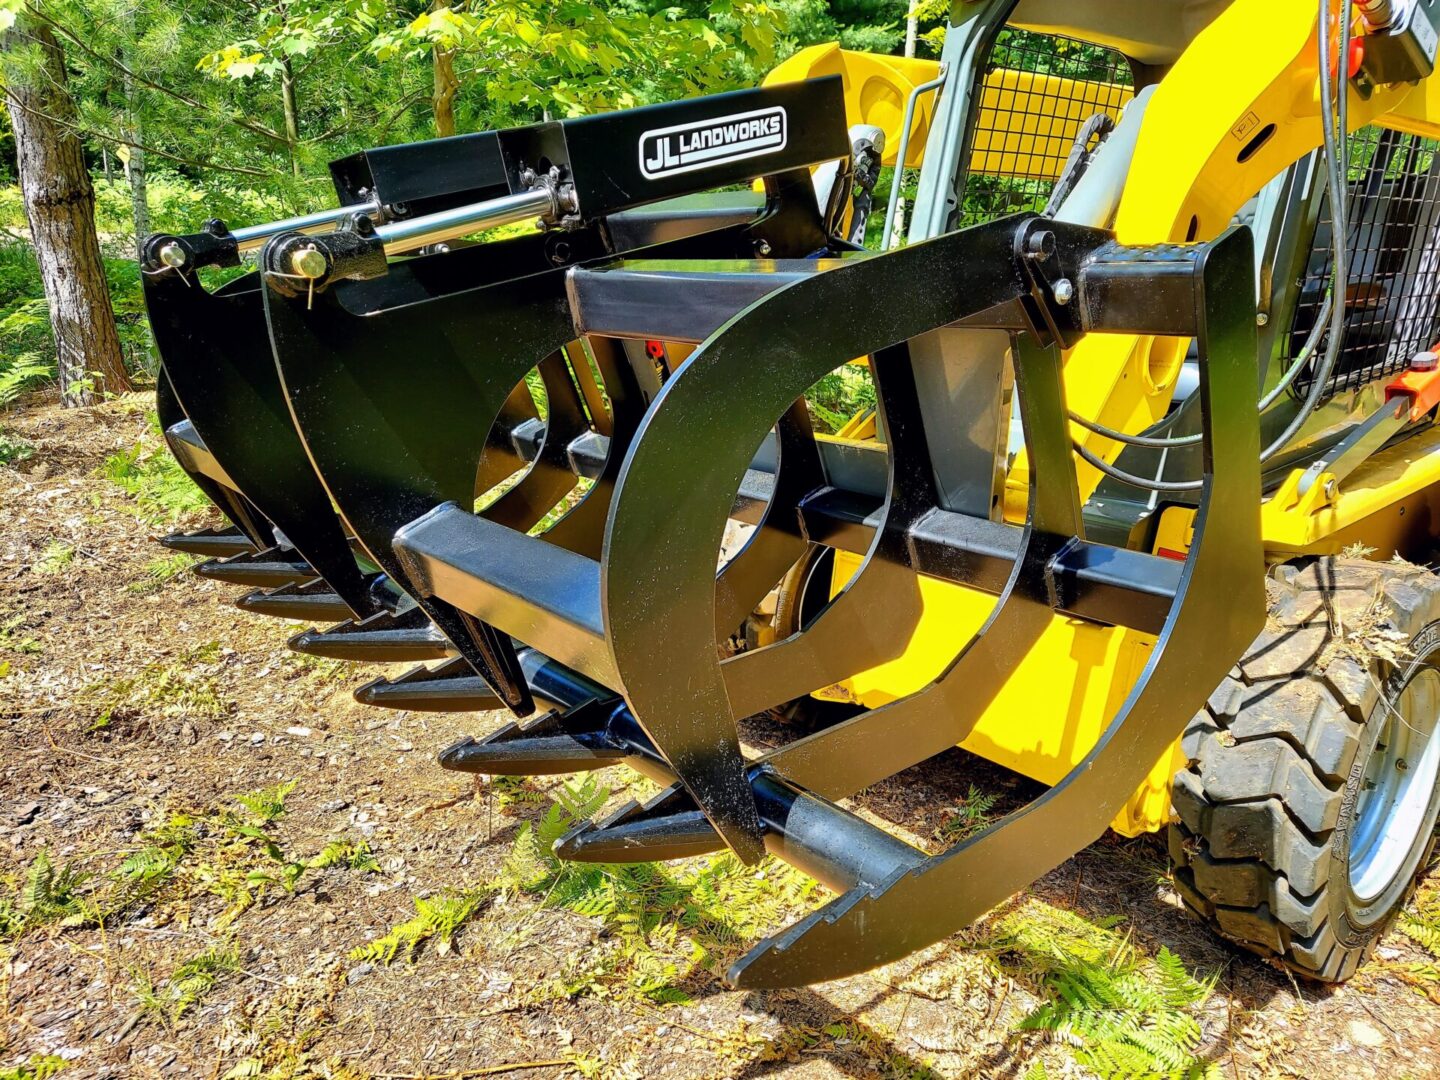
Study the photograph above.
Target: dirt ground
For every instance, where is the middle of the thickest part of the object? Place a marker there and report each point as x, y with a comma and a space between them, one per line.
137, 705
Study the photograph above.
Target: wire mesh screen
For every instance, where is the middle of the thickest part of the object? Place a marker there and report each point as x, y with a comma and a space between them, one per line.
1039, 89
1392, 298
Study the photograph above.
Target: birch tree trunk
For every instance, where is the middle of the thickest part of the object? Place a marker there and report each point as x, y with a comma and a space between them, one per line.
292, 114
60, 207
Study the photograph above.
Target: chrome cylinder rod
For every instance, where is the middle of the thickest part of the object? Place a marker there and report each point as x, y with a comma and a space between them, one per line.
252, 237
460, 221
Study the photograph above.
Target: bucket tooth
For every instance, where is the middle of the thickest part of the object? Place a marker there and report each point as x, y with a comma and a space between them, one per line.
573, 740
268, 569
382, 638
212, 543
310, 601
669, 826
451, 687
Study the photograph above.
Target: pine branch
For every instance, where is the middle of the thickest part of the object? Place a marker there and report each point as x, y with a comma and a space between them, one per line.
118, 65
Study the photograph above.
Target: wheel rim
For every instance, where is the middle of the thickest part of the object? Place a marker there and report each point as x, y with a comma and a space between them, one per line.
1395, 792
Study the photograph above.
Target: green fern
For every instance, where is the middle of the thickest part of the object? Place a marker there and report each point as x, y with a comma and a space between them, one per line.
187, 984
23, 373
267, 804
663, 924
350, 854
969, 817
40, 1067
51, 895
1421, 931
1119, 1013
437, 917
14, 449
144, 872
157, 572
160, 488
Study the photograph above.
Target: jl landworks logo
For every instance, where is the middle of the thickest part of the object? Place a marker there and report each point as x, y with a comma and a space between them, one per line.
707, 143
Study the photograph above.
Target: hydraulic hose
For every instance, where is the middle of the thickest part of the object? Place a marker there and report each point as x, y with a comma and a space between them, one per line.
1335, 133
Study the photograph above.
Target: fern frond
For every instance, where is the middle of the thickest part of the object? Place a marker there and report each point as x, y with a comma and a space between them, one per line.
351, 854
437, 917
267, 804
1422, 931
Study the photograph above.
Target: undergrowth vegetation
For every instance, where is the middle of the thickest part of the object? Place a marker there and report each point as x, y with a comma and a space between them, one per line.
224, 859
839, 396
187, 687
14, 449
1420, 922
154, 480
1120, 1012
669, 929
155, 573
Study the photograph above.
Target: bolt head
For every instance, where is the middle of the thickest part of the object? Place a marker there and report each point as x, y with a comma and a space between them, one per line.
173, 255
309, 262
762, 248
1262, 318
1425, 361
1064, 291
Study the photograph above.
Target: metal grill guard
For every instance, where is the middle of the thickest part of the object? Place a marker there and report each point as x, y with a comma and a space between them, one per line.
1392, 300
1037, 92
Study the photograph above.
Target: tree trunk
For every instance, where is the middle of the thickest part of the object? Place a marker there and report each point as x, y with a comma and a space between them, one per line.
446, 86
138, 199
912, 30
105, 163
292, 115
134, 131
60, 207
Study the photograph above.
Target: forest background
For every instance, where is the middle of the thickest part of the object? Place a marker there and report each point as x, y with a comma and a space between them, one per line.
123, 116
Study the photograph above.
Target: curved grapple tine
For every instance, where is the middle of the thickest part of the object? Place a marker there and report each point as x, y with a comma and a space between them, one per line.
1218, 606
669, 515
395, 384
216, 353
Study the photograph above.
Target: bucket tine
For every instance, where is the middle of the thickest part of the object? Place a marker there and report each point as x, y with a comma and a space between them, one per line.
271, 568
310, 601
213, 543
668, 826
451, 687
381, 638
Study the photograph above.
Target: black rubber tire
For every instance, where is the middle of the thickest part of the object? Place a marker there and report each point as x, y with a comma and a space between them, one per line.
1260, 849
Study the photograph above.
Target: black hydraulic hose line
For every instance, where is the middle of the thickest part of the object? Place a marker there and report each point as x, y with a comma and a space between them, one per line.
1335, 116
1337, 153
1158, 442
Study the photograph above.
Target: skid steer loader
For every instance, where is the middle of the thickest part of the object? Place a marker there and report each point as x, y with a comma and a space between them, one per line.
1154, 366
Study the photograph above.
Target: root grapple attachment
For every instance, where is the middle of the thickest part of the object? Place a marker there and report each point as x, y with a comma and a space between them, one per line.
367, 393
673, 712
